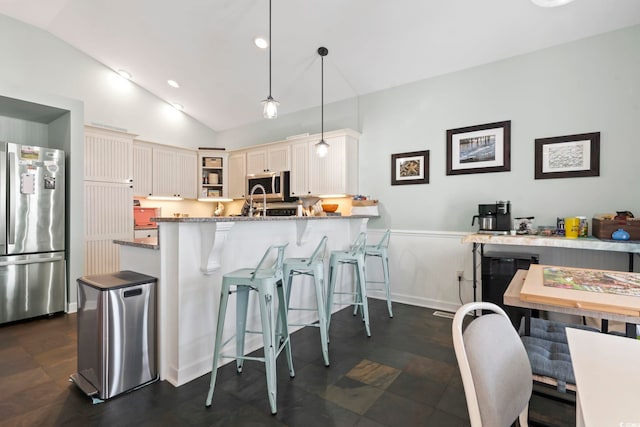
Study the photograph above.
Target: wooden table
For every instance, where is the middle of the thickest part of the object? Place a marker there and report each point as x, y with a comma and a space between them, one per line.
512, 297
607, 374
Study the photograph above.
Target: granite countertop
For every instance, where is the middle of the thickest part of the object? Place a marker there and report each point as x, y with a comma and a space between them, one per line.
591, 243
145, 227
142, 242
258, 218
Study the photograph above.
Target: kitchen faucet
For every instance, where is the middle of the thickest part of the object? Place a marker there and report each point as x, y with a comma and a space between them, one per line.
264, 199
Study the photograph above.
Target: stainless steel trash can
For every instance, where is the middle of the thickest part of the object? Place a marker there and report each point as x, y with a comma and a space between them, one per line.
116, 333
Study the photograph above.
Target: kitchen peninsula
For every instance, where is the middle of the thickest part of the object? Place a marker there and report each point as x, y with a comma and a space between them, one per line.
189, 261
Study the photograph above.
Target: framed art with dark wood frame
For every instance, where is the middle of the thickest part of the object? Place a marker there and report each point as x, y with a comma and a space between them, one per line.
568, 156
479, 149
410, 168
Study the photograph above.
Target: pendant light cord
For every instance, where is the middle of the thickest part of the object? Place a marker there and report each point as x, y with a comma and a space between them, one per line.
269, 48
322, 99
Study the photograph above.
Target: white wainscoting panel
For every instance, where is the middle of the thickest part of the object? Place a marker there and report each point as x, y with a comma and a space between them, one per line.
423, 265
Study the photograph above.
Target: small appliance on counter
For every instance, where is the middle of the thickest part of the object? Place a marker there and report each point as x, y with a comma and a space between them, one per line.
494, 218
142, 217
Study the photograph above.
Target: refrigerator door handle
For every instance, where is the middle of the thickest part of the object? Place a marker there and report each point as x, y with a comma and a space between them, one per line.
32, 261
11, 238
3, 199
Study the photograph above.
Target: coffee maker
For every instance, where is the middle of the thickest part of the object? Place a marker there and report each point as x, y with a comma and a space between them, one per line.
494, 218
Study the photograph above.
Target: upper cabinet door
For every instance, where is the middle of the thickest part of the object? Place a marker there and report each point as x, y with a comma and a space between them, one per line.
142, 169
337, 172
107, 155
278, 157
257, 161
299, 177
175, 172
187, 178
164, 172
274, 158
237, 175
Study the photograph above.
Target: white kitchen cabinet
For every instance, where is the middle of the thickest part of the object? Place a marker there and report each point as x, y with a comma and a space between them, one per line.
107, 155
213, 176
299, 177
311, 175
108, 194
237, 174
142, 169
334, 174
187, 168
269, 158
140, 234
174, 172
337, 172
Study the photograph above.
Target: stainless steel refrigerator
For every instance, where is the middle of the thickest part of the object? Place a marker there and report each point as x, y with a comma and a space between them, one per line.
32, 232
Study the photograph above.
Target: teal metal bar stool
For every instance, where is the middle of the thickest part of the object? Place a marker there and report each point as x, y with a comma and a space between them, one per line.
314, 267
380, 251
354, 257
265, 280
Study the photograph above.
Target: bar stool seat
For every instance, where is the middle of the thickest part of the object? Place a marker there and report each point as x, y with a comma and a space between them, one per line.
354, 257
380, 251
314, 267
265, 280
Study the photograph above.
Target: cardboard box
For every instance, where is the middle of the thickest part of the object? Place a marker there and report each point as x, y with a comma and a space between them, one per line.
364, 203
604, 228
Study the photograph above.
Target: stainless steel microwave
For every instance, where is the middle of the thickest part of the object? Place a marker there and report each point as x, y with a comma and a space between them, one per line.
275, 184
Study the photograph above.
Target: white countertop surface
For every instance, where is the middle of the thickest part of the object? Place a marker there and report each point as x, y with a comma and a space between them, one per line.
590, 243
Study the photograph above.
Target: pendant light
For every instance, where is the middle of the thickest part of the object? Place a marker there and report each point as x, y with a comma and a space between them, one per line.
322, 147
270, 105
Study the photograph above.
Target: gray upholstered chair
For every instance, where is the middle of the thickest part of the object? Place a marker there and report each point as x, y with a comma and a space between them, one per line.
495, 369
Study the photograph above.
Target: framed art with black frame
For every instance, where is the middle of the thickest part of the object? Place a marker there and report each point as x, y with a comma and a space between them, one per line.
479, 149
569, 156
410, 168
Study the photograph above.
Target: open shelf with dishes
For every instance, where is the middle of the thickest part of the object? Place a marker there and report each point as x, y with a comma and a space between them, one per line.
212, 173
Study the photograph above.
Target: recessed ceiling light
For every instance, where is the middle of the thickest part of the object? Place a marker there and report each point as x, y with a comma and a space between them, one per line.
177, 106
261, 42
127, 75
173, 83
550, 3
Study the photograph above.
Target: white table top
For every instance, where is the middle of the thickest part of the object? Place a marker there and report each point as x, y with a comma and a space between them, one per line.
590, 243
607, 371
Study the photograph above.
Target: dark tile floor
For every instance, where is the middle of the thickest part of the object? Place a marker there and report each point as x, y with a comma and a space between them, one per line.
405, 374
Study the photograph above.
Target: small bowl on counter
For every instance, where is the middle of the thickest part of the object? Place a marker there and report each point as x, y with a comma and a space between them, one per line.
329, 208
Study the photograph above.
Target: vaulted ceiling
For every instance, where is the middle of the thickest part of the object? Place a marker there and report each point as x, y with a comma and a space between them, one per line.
207, 45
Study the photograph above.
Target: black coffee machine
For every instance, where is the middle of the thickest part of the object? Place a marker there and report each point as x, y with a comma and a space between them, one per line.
494, 218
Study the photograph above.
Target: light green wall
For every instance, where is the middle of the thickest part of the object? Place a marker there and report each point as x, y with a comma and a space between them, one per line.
589, 85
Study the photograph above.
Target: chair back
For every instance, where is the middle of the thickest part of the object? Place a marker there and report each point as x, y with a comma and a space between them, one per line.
495, 369
275, 268
358, 246
384, 242
320, 251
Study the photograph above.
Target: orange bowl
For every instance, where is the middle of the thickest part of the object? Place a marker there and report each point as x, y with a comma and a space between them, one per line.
330, 208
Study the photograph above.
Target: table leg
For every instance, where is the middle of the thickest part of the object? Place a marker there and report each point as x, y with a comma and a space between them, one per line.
579, 416
631, 331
